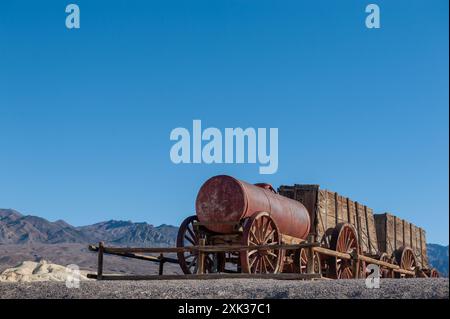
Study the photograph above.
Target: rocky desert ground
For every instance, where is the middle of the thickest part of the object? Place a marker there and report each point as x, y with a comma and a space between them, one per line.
43, 279
232, 288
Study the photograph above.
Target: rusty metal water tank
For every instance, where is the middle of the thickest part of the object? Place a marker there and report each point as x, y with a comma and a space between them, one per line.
226, 199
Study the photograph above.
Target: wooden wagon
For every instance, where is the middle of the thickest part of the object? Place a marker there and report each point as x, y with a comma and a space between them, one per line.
347, 236
301, 231
383, 237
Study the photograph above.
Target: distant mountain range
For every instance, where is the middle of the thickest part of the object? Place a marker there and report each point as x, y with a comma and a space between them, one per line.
438, 257
16, 228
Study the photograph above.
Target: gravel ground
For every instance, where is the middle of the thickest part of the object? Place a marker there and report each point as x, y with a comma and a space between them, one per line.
231, 288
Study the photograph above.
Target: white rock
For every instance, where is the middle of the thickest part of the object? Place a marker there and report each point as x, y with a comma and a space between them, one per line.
29, 271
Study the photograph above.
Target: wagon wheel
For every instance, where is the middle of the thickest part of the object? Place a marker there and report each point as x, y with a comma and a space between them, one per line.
189, 260
384, 271
261, 229
344, 240
301, 262
405, 259
434, 273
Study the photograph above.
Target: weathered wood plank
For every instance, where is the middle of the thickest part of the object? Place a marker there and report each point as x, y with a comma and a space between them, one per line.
322, 218
407, 233
372, 233
218, 248
423, 248
385, 228
415, 234
280, 276
362, 231
331, 210
398, 232
380, 227
351, 211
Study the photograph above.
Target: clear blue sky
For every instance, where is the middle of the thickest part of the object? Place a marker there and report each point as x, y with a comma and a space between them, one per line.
86, 114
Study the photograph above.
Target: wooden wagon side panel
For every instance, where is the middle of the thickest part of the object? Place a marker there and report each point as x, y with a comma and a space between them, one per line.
398, 232
331, 209
287, 191
351, 212
390, 232
407, 233
371, 232
342, 209
362, 228
380, 226
307, 195
423, 248
385, 229
322, 221
415, 235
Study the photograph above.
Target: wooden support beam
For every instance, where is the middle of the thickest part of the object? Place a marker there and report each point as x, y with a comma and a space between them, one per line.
310, 256
135, 256
213, 248
201, 257
404, 271
280, 276
355, 264
161, 265
378, 262
100, 261
332, 253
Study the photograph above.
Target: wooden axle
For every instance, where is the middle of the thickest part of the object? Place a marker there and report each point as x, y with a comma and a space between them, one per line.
158, 259
213, 248
281, 276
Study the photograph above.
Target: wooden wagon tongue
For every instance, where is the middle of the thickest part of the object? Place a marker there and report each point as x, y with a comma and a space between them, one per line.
224, 199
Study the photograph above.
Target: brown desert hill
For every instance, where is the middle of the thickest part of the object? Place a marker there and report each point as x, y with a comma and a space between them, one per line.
129, 233
32, 238
16, 228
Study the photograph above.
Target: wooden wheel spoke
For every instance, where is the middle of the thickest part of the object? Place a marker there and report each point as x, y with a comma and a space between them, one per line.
270, 262
259, 229
193, 262
189, 239
257, 264
269, 236
253, 260
264, 223
189, 256
251, 252
252, 243
252, 234
191, 233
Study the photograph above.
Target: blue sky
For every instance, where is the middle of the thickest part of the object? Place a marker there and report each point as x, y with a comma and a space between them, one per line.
86, 114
